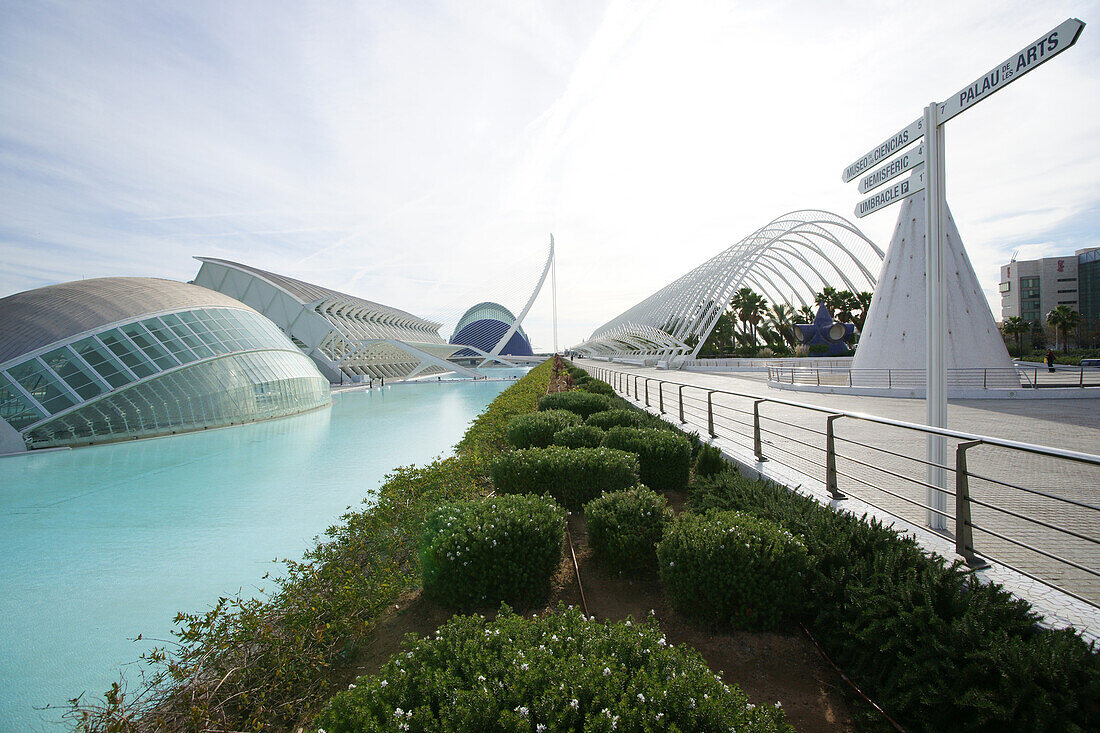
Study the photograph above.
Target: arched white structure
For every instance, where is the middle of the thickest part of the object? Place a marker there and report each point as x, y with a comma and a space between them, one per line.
788, 260
495, 351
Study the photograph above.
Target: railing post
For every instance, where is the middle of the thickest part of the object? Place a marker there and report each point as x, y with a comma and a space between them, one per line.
830, 460
647, 391
818, 371
682, 420
964, 531
889, 379
849, 376
757, 443
1081, 383
710, 415
661, 397
637, 397
627, 385
985, 379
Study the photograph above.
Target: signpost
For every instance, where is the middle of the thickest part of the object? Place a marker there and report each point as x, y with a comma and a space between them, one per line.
891, 195
893, 169
930, 177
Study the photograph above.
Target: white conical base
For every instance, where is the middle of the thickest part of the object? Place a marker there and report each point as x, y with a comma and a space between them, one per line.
894, 334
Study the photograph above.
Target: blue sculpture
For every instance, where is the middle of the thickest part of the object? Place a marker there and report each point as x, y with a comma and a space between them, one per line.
825, 331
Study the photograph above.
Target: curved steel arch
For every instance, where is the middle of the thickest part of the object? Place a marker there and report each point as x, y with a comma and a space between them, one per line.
808, 245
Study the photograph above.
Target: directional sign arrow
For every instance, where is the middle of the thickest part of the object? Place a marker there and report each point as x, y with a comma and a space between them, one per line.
906, 161
891, 195
911, 132
1041, 50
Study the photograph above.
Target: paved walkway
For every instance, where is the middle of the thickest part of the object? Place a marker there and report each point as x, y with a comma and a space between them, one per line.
884, 478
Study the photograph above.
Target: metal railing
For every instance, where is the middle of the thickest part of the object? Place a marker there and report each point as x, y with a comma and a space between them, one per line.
1050, 537
1010, 378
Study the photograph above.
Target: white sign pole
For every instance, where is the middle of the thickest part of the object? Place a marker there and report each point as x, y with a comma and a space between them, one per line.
936, 308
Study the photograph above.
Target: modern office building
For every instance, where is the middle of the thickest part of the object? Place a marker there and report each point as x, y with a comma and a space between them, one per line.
119, 358
1032, 288
484, 325
349, 339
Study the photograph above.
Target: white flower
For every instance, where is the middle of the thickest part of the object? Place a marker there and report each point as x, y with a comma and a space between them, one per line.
524, 666
540, 728
778, 704
399, 713
521, 710
351, 686
628, 622
383, 684
481, 678
641, 697
574, 703
606, 671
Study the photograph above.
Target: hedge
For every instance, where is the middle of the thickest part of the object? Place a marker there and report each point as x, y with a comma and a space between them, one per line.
595, 386
582, 403
537, 429
579, 436
572, 476
732, 568
710, 461
936, 648
624, 528
560, 672
664, 457
621, 418
248, 664
484, 551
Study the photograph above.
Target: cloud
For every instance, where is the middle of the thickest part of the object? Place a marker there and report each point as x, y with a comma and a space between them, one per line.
420, 154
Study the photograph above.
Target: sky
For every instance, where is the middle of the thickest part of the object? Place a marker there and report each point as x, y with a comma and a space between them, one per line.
420, 154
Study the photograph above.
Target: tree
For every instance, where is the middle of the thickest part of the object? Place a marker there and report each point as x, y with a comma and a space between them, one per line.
863, 303
832, 299
807, 313
846, 302
720, 340
1063, 318
781, 318
1016, 326
749, 306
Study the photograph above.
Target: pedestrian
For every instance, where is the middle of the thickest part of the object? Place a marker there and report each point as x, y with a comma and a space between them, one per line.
1050, 360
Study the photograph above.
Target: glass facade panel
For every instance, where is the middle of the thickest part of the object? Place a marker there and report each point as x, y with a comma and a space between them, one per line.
102, 361
41, 383
15, 408
65, 365
126, 352
202, 330
234, 389
186, 335
149, 346
175, 345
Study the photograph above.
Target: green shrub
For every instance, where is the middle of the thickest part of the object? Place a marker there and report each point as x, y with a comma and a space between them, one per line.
664, 457
572, 476
710, 461
595, 386
620, 418
579, 436
582, 403
560, 672
484, 551
624, 527
732, 568
577, 372
536, 429
923, 637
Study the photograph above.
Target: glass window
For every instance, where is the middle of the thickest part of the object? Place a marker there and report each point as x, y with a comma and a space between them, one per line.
202, 330
126, 352
148, 344
15, 408
187, 335
65, 364
169, 340
42, 385
102, 362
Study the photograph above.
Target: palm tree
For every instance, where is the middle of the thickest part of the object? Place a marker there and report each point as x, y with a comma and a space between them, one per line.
863, 303
781, 318
1063, 318
846, 302
832, 299
750, 307
807, 313
1016, 326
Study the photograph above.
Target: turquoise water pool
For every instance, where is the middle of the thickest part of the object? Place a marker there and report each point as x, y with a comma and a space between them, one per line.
102, 544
